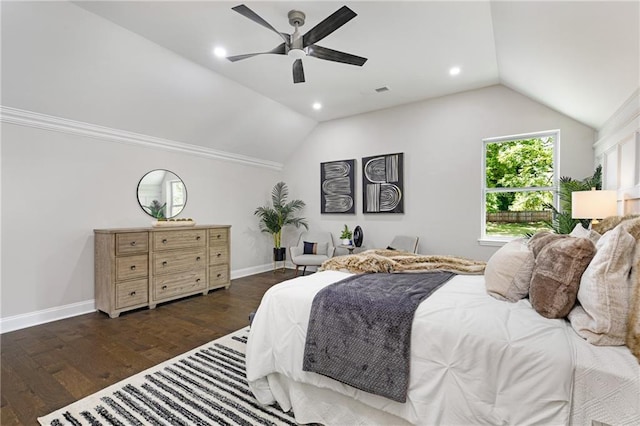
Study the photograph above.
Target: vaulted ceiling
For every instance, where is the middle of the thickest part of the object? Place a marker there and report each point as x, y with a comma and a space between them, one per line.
581, 58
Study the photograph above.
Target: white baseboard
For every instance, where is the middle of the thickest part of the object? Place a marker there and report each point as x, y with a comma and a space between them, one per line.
30, 319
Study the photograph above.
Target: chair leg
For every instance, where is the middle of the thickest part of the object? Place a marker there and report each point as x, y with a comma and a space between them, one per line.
304, 269
297, 266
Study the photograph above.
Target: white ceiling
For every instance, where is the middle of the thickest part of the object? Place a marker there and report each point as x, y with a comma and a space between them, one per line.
581, 58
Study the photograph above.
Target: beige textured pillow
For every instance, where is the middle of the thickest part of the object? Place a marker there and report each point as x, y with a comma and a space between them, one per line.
633, 325
508, 272
556, 275
580, 232
541, 239
604, 291
611, 222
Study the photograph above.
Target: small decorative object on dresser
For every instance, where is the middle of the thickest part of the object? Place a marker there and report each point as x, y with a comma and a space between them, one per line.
138, 267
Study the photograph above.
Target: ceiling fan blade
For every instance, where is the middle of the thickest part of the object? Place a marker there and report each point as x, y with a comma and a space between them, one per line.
278, 50
329, 25
248, 13
335, 55
298, 71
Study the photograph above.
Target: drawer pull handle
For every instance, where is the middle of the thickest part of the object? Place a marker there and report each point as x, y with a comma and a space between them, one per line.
133, 243
219, 275
133, 267
164, 287
164, 263
198, 280
198, 238
219, 254
164, 241
133, 293
197, 258
219, 236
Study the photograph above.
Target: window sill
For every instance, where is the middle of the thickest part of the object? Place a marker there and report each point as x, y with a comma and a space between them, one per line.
494, 241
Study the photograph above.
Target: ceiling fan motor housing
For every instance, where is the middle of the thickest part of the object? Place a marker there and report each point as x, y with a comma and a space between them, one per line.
296, 18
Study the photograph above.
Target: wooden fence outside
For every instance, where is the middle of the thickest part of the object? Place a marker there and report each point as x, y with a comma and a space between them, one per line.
519, 217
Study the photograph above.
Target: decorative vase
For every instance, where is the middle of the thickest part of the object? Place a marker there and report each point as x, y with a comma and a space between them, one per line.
279, 254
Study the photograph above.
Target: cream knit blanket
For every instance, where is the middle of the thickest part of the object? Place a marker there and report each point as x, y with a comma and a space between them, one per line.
376, 260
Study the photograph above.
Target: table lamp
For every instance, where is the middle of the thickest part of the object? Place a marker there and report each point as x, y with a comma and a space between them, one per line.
593, 205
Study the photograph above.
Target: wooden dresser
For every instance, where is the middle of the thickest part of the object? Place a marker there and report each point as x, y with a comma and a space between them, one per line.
138, 267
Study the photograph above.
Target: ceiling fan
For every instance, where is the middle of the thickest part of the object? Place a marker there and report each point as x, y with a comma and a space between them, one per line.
299, 46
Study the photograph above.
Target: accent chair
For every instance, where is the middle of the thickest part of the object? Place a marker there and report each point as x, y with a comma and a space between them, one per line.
312, 250
404, 242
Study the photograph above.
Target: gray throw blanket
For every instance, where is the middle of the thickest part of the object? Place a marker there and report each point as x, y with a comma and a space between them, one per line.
360, 330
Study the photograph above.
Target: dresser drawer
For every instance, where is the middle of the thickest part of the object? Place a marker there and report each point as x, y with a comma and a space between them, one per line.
218, 254
167, 240
218, 276
132, 293
130, 243
129, 267
172, 262
218, 236
167, 286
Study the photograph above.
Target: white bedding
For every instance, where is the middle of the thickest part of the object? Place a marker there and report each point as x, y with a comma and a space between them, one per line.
475, 360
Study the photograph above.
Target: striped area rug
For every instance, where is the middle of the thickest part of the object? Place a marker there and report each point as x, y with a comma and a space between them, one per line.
206, 386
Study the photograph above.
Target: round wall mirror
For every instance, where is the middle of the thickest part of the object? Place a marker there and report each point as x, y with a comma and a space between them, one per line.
162, 194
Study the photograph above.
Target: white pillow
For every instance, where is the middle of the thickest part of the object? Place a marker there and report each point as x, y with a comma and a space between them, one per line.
604, 291
508, 272
580, 232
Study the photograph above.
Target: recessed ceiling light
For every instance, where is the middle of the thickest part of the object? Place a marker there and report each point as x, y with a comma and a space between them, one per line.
220, 52
317, 106
454, 70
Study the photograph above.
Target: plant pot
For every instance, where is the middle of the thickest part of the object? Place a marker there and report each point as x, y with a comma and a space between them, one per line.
279, 254
346, 241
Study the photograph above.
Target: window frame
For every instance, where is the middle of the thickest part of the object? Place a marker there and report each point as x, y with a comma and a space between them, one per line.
495, 240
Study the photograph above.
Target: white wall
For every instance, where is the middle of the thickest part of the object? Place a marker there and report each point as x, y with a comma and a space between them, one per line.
61, 63
58, 187
442, 144
618, 150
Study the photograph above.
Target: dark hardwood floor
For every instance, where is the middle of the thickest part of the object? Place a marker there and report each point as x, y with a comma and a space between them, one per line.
52, 365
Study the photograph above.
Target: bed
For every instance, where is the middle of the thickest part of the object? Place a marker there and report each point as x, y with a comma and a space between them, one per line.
474, 360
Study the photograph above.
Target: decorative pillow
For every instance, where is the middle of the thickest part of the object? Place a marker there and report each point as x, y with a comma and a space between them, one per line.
508, 272
633, 325
315, 248
608, 223
580, 232
556, 275
604, 291
541, 239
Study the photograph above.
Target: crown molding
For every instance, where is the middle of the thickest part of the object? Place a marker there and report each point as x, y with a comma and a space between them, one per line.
64, 125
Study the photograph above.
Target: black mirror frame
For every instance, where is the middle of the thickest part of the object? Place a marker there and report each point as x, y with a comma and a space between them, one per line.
146, 208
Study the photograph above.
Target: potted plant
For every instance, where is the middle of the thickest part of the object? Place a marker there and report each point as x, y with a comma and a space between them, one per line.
346, 236
155, 209
280, 214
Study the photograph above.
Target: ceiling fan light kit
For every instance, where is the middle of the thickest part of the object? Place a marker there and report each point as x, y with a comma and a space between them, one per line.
297, 46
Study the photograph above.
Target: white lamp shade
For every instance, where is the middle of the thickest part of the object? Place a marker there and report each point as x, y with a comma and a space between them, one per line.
594, 204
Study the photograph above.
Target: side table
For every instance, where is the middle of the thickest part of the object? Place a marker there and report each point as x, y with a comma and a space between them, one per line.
351, 248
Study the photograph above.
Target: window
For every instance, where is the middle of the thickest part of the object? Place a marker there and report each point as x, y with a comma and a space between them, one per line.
177, 197
519, 184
